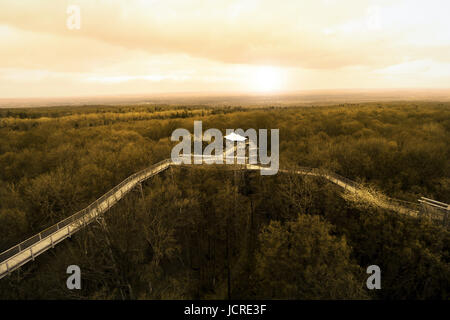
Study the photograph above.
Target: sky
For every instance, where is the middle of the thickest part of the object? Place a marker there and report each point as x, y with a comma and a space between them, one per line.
161, 46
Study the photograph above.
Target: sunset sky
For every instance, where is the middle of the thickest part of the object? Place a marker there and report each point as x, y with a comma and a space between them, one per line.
152, 46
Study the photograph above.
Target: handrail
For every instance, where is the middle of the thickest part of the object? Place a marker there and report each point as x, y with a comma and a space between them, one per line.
83, 217
26, 244
441, 204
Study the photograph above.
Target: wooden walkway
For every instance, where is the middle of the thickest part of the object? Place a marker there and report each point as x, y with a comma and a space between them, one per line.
29, 249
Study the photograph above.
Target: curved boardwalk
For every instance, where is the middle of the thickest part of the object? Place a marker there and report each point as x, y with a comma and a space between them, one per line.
29, 249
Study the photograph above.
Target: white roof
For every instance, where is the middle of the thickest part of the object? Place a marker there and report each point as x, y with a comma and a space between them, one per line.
235, 137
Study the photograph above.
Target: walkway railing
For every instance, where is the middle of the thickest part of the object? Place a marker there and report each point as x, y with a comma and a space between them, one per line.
32, 247
29, 249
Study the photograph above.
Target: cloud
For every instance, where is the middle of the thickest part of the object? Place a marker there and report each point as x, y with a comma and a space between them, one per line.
251, 32
219, 44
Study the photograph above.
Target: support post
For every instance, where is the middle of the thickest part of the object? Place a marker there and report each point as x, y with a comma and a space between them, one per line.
142, 191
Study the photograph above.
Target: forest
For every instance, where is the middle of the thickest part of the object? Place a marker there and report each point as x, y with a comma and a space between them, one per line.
206, 232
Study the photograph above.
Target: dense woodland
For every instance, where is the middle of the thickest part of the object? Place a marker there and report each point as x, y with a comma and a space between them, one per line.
205, 232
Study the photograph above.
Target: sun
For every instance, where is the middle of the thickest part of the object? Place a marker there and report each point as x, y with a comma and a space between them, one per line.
267, 79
